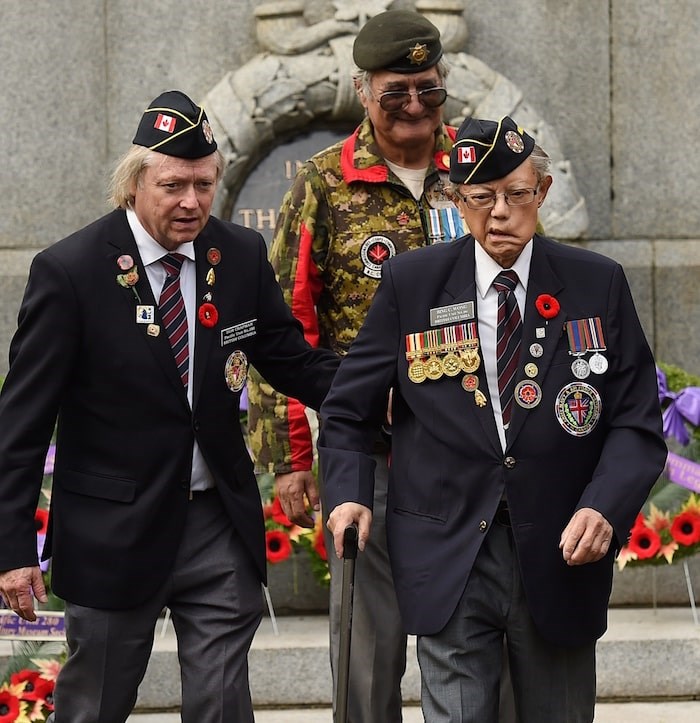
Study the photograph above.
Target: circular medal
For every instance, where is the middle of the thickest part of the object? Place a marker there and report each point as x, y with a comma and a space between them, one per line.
577, 408
598, 364
470, 360
531, 369
416, 371
236, 371
213, 256
450, 364
536, 350
433, 368
528, 393
580, 368
470, 383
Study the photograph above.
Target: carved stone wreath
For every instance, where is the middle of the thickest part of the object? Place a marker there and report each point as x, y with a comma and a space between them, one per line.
302, 80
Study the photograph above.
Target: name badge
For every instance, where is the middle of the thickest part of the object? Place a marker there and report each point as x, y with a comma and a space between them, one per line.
442, 315
240, 331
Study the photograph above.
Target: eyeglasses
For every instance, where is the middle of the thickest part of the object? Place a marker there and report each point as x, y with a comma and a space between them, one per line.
394, 100
517, 197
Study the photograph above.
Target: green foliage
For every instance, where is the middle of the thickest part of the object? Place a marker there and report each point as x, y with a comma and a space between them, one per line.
24, 651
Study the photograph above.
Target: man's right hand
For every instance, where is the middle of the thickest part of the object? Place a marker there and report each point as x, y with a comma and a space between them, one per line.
297, 491
16, 587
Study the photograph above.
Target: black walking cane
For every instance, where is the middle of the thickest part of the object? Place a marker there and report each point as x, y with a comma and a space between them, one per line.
348, 588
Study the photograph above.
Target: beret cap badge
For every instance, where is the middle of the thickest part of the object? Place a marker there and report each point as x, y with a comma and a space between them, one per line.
419, 54
401, 41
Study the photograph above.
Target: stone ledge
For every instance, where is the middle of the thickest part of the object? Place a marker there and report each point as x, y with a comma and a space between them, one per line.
646, 654
638, 658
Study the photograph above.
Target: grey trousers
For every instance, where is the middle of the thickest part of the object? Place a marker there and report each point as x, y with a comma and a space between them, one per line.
215, 599
378, 651
461, 665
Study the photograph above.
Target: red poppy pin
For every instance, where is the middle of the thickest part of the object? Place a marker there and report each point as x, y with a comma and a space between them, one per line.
208, 315
547, 306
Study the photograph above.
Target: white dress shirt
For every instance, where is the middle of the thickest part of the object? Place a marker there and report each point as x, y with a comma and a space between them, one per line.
151, 253
486, 270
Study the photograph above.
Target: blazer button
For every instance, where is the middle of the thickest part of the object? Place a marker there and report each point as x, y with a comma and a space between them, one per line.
483, 525
509, 462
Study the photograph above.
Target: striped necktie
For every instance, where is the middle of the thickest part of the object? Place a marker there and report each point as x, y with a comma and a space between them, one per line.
172, 309
508, 336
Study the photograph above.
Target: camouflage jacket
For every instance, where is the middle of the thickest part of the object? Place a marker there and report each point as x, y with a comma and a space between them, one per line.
345, 213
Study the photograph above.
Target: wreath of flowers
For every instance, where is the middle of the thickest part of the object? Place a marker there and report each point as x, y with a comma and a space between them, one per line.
668, 527
27, 681
26, 695
284, 539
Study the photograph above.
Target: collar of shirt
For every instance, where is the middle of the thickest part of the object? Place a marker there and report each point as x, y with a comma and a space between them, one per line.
149, 249
486, 270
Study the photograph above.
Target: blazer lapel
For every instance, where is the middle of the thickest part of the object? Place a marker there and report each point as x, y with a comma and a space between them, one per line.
123, 243
207, 286
536, 329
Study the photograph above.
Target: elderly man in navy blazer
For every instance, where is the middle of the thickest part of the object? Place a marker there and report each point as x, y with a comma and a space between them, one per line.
137, 332
526, 436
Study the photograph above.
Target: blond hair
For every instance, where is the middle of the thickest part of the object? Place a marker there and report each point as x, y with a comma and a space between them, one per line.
127, 174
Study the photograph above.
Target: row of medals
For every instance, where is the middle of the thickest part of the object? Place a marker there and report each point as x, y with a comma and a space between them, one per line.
435, 362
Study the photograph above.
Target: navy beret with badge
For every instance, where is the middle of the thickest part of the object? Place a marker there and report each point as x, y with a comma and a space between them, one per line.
176, 126
401, 41
486, 150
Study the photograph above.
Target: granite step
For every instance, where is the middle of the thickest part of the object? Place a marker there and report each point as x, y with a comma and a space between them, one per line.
649, 657
646, 655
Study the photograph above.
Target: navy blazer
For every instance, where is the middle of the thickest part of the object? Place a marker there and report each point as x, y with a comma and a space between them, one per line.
125, 429
448, 471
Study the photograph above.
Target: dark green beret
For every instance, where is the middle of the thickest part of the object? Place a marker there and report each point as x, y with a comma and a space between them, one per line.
176, 126
486, 150
401, 41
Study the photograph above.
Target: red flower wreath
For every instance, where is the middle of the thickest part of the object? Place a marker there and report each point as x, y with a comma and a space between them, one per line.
208, 315
320, 545
644, 542
547, 306
277, 513
41, 520
685, 528
278, 546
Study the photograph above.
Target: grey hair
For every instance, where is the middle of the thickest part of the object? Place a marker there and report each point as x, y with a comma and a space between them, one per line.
541, 162
363, 78
127, 174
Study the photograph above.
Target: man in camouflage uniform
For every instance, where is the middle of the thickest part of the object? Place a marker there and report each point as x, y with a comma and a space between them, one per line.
351, 207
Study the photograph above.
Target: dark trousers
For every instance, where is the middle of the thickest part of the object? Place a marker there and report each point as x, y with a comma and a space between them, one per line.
378, 652
215, 599
461, 665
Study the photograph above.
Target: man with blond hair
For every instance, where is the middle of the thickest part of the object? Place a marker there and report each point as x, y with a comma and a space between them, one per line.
136, 333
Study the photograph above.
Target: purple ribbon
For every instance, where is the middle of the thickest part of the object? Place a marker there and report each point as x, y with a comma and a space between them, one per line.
683, 407
683, 472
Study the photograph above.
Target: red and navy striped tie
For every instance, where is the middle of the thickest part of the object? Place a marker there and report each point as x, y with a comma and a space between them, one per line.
508, 336
172, 310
